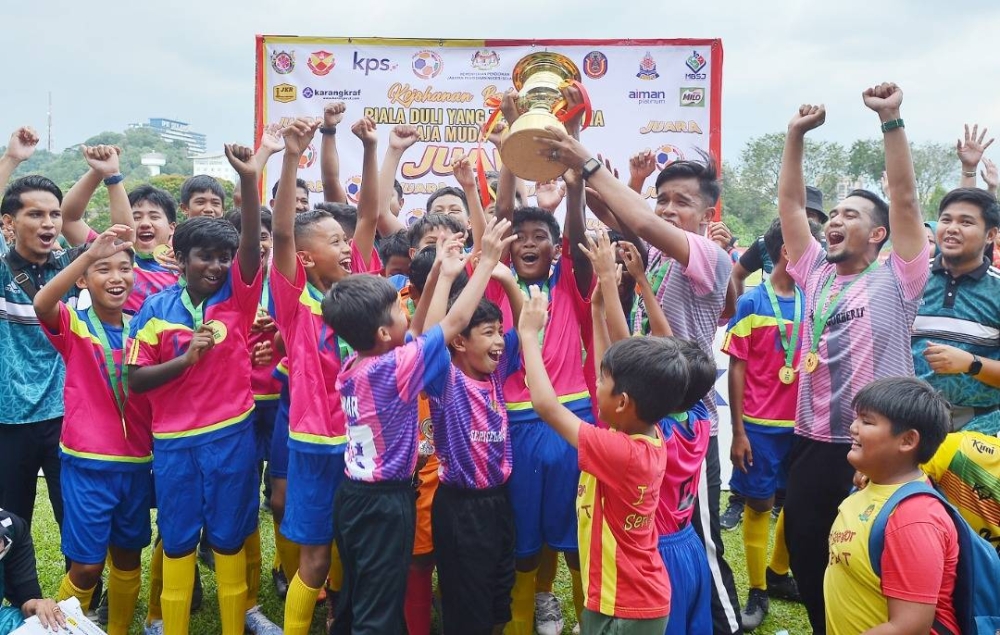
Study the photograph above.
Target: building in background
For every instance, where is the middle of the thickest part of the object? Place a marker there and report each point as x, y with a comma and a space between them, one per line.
172, 130
214, 165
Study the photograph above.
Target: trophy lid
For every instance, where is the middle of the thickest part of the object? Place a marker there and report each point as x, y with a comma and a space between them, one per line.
543, 61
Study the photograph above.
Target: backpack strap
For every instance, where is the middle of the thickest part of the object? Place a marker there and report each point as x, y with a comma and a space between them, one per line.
21, 277
876, 539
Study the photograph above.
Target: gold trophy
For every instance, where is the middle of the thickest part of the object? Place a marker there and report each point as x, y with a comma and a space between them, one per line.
538, 78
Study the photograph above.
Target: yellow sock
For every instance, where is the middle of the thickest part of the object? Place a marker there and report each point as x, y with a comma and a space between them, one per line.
231, 576
123, 591
277, 554
288, 554
779, 557
756, 526
546, 570
155, 583
178, 587
252, 550
578, 599
335, 579
69, 590
522, 606
299, 606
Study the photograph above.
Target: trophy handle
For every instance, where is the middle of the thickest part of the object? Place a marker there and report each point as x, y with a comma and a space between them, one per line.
563, 115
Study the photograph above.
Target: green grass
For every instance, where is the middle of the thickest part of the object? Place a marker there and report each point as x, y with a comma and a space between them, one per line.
783, 615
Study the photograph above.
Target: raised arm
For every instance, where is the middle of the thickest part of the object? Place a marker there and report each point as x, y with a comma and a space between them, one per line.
503, 275
508, 184
462, 169
248, 252
103, 162
21, 146
601, 255
329, 158
792, 183
906, 224
658, 323
271, 143
449, 260
575, 224
640, 167
401, 138
364, 234
297, 135
970, 153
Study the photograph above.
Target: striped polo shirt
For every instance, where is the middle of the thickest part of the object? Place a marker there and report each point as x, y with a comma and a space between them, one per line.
866, 338
963, 312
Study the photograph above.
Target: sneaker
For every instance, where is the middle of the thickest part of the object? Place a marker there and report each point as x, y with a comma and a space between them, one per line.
102, 610
756, 609
331, 610
280, 582
258, 624
731, 518
782, 587
153, 628
548, 614
206, 555
196, 595
576, 630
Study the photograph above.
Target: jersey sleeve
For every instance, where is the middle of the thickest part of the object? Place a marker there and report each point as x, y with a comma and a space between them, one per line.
510, 363
19, 571
60, 336
606, 454
939, 463
912, 275
566, 282
708, 266
812, 258
358, 263
739, 334
285, 295
247, 294
751, 260
144, 339
423, 364
920, 552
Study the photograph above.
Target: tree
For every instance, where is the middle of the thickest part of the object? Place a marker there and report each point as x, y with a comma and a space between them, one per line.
936, 168
866, 161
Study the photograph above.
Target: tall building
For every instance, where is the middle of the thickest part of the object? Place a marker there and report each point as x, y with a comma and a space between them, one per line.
173, 130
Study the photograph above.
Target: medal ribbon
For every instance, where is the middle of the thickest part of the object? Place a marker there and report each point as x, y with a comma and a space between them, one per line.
788, 343
640, 321
197, 312
119, 385
828, 308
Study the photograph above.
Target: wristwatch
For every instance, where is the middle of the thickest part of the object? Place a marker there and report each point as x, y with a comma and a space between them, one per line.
975, 366
589, 167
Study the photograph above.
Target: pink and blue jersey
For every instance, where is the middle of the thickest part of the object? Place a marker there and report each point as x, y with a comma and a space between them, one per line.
150, 278
470, 424
866, 338
265, 386
315, 354
212, 398
686, 447
94, 429
379, 398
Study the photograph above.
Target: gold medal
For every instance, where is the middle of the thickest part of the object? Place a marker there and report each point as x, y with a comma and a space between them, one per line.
161, 253
812, 362
219, 330
786, 375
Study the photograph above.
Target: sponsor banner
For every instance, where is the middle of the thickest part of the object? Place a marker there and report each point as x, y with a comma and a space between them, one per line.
663, 95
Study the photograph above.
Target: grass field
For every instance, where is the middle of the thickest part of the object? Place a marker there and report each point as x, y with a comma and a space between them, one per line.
783, 615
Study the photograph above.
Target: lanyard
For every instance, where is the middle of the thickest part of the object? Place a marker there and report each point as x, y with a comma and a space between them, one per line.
119, 386
825, 309
788, 343
640, 322
197, 312
545, 290
265, 294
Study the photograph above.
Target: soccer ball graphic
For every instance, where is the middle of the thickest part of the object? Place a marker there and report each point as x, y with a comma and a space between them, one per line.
667, 154
353, 188
426, 64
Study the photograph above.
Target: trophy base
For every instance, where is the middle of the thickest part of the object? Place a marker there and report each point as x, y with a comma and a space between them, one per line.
520, 151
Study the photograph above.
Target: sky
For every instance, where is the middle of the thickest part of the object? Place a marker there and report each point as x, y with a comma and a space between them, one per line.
110, 63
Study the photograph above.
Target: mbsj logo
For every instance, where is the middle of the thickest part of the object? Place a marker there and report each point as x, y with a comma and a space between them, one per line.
427, 64
692, 97
695, 62
283, 62
647, 68
595, 65
667, 154
372, 64
485, 60
353, 188
321, 62
284, 93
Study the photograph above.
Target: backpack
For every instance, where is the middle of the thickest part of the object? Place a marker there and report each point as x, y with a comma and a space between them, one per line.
977, 583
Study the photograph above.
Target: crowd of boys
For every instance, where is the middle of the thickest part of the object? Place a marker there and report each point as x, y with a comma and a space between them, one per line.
488, 387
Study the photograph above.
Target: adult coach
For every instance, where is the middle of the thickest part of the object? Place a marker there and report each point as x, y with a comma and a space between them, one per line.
859, 329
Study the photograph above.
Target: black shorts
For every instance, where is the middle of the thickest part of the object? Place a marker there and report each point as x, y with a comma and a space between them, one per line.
474, 550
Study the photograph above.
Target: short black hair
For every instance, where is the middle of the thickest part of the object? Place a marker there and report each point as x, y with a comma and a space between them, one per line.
880, 211
429, 222
146, 193
300, 184
305, 222
909, 404
652, 370
986, 202
206, 232
395, 244
706, 172
396, 185
445, 191
12, 202
346, 215
420, 270
774, 240
537, 215
236, 218
201, 183
357, 306
701, 373
486, 311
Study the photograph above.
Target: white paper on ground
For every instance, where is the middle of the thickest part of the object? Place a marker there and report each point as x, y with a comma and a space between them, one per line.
76, 622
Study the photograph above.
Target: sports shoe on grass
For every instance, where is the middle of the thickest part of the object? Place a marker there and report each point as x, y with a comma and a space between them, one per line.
153, 628
280, 582
258, 624
730, 519
548, 614
756, 609
782, 587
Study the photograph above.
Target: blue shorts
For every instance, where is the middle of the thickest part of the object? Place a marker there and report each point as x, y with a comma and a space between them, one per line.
683, 554
543, 481
213, 485
312, 483
104, 508
265, 412
769, 471
277, 462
